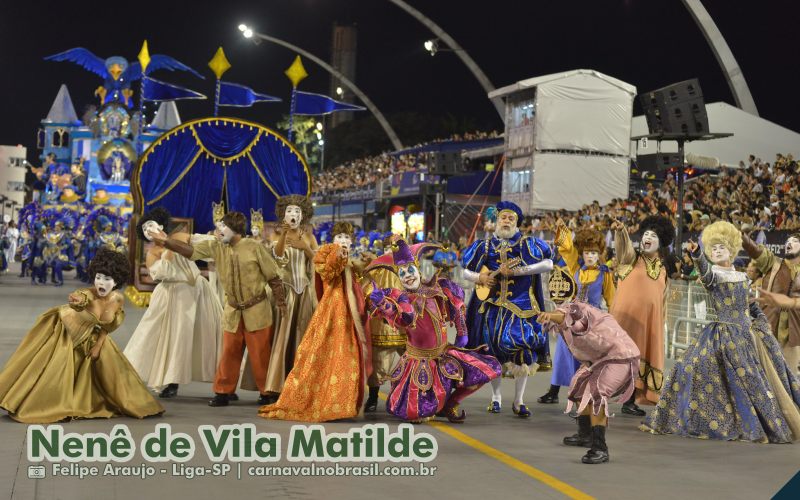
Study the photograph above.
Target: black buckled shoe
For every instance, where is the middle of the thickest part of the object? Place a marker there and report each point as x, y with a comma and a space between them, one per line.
598, 454
371, 405
632, 408
584, 435
549, 399
170, 391
219, 400
267, 399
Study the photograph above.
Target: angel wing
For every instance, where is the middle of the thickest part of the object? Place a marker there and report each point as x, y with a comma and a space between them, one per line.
84, 58
158, 61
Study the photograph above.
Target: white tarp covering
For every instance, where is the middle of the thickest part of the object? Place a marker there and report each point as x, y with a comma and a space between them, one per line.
571, 181
751, 135
583, 112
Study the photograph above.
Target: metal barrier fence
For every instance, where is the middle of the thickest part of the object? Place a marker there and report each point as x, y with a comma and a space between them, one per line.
688, 309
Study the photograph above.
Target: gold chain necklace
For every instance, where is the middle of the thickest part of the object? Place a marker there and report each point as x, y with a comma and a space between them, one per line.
652, 266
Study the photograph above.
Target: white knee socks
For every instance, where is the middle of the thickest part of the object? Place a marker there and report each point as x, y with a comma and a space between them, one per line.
519, 386
496, 397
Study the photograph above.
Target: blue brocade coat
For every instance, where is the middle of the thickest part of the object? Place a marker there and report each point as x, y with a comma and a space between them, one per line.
508, 316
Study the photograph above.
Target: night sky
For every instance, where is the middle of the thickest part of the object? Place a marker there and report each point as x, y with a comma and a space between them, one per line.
648, 43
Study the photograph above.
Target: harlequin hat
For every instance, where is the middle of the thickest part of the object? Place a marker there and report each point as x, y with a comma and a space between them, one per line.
513, 207
401, 255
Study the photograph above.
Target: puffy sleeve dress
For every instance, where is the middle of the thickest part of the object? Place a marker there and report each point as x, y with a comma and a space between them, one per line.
51, 376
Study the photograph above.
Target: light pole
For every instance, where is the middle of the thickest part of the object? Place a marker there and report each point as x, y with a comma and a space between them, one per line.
320, 138
248, 32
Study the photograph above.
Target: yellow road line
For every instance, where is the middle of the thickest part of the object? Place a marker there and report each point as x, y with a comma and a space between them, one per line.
508, 460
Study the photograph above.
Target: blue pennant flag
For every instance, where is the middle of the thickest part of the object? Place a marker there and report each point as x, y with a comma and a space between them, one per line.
233, 94
318, 104
156, 90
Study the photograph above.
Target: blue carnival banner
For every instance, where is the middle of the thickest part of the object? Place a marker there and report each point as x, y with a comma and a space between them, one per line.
308, 103
156, 90
233, 94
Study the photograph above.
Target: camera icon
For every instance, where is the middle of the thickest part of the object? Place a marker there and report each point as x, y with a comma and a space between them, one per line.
36, 472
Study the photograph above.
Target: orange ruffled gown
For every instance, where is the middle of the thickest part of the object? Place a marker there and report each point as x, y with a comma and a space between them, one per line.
331, 366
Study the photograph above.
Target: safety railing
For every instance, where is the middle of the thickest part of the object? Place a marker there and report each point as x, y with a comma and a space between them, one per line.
687, 310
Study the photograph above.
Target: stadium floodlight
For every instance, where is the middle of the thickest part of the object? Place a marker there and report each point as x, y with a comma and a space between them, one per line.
248, 33
339, 91
432, 46
242, 28
319, 126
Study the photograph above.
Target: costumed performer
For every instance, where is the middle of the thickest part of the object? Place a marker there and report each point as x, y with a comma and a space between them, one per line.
432, 377
179, 338
639, 303
332, 362
67, 367
781, 276
609, 366
732, 383
388, 341
508, 323
594, 284
245, 268
294, 248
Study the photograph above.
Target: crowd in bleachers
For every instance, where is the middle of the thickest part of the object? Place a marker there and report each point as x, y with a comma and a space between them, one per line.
367, 171
755, 195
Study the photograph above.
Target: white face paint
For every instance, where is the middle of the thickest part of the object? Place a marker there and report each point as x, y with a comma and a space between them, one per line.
650, 242
104, 284
590, 258
343, 240
256, 231
227, 233
792, 248
293, 216
409, 276
720, 255
151, 227
506, 226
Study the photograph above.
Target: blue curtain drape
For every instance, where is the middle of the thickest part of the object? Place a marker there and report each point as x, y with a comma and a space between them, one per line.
281, 166
225, 139
187, 189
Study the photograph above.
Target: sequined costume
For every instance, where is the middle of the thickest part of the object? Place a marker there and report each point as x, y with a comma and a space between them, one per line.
332, 362
432, 377
732, 383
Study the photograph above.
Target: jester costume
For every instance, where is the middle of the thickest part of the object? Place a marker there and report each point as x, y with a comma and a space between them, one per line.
432, 377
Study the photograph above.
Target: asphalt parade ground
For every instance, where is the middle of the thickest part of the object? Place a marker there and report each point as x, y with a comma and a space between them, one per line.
489, 456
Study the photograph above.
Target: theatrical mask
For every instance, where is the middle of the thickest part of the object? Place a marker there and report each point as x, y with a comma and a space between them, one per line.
150, 228
649, 243
293, 216
591, 258
410, 276
104, 284
720, 254
506, 226
226, 232
344, 241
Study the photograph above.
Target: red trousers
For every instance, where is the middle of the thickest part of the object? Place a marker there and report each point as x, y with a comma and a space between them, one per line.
259, 346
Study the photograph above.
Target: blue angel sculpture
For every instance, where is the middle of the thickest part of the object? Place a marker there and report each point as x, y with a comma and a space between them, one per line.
117, 72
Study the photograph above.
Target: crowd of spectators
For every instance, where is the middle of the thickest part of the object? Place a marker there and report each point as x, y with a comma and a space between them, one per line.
756, 195
365, 172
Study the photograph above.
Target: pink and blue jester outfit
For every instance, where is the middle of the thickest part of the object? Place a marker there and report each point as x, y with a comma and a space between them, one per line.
432, 377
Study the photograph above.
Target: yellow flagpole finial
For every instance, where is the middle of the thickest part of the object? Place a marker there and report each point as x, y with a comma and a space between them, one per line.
296, 72
144, 57
219, 64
